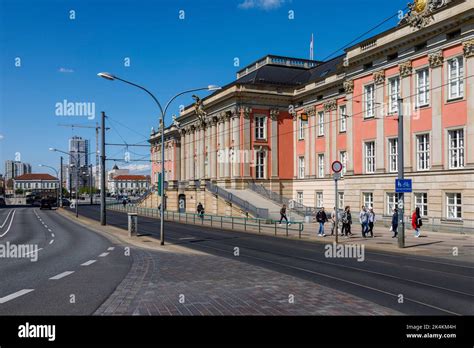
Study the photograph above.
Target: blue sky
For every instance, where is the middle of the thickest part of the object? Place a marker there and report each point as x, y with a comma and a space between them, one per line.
60, 58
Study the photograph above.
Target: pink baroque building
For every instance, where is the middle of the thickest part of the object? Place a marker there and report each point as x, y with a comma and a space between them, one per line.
270, 136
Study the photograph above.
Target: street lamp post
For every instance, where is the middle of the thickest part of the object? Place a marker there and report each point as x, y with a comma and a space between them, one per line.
111, 77
57, 175
76, 160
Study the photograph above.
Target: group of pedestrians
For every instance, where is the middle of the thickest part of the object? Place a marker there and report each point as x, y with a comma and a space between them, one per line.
367, 220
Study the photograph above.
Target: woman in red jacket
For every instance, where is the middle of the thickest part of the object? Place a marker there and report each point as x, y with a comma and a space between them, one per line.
416, 222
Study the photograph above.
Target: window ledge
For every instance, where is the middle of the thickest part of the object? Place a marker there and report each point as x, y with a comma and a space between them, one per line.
453, 221
455, 100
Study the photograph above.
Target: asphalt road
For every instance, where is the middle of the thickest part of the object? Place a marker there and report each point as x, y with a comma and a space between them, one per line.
75, 272
412, 285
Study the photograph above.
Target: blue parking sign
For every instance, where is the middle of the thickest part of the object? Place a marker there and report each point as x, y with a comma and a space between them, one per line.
403, 185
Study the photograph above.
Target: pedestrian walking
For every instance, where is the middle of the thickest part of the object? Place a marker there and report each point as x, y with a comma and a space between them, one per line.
371, 219
321, 218
333, 222
283, 215
394, 227
200, 210
416, 222
364, 220
346, 222
124, 202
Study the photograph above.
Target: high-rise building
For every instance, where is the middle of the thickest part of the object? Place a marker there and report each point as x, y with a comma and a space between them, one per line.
16, 168
79, 150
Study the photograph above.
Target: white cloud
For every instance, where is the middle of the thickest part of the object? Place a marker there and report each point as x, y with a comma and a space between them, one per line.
65, 70
137, 167
261, 4
1, 137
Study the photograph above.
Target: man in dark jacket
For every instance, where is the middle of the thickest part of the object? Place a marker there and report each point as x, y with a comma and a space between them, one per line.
321, 218
395, 223
347, 222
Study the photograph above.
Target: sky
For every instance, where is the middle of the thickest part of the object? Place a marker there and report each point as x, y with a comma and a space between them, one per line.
52, 50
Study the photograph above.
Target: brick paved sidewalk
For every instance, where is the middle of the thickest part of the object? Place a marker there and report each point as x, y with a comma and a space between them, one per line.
213, 285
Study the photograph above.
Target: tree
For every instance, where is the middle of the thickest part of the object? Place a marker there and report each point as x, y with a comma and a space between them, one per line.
19, 191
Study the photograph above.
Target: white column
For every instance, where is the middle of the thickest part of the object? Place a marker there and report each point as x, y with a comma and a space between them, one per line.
202, 153
246, 143
192, 173
227, 142
312, 141
213, 151
274, 143
349, 88
436, 144
469, 71
405, 92
236, 145
223, 153
379, 78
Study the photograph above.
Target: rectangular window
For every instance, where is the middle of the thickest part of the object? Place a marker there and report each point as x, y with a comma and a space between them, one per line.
340, 200
368, 199
321, 165
456, 78
423, 151
299, 197
393, 94
301, 128
343, 160
342, 119
453, 206
422, 87
392, 202
301, 167
260, 127
421, 201
319, 200
260, 165
369, 149
393, 155
369, 92
456, 149
321, 123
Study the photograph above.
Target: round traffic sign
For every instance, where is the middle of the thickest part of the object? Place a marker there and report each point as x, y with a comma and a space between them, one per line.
336, 167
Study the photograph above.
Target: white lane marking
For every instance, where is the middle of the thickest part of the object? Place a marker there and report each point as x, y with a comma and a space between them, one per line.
49, 230
10, 225
61, 275
111, 248
31, 252
187, 238
15, 295
46, 226
52, 234
8, 215
90, 262
103, 254
51, 242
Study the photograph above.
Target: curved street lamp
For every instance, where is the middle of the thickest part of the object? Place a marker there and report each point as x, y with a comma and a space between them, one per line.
111, 77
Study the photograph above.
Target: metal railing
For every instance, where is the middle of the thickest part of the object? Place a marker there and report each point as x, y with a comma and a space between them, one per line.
297, 208
242, 204
257, 225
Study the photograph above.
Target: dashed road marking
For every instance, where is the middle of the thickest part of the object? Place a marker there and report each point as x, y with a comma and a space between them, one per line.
111, 248
15, 295
61, 275
51, 241
90, 262
103, 254
52, 235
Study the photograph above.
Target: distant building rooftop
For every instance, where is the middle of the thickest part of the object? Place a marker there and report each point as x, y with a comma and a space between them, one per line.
35, 176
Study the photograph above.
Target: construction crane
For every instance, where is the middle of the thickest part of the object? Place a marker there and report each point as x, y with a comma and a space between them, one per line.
97, 128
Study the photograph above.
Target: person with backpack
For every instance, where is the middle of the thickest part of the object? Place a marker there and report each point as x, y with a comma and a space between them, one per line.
364, 220
416, 222
371, 220
200, 210
333, 222
394, 227
283, 215
321, 218
346, 222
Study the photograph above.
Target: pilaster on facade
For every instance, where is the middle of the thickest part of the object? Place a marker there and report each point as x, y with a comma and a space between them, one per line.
436, 60
406, 71
468, 49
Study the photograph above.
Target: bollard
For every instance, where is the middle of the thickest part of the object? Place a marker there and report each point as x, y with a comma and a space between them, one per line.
132, 224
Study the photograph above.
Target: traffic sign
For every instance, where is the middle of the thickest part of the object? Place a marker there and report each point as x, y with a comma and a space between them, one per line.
403, 185
336, 166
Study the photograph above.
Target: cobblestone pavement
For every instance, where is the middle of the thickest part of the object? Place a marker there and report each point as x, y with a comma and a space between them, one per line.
182, 282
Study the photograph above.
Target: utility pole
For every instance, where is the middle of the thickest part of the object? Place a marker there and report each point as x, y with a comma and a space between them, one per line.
401, 175
103, 216
90, 184
60, 203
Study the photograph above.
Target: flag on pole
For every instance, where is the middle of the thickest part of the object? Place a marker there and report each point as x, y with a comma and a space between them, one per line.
311, 48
